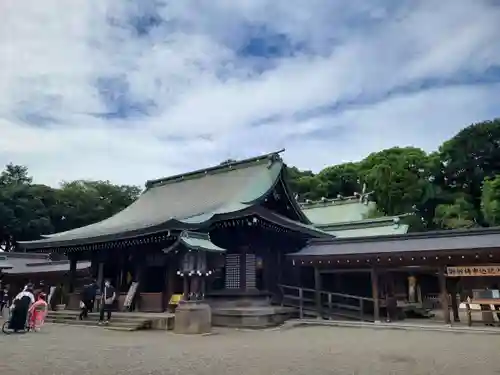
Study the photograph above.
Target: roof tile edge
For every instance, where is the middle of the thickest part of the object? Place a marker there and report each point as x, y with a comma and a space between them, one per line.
330, 202
409, 236
274, 156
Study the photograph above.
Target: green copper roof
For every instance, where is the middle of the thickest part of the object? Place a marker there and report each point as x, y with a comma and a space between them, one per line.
337, 210
199, 242
187, 201
347, 218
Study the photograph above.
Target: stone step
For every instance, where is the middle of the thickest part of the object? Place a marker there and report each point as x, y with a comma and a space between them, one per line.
124, 326
117, 315
72, 318
157, 321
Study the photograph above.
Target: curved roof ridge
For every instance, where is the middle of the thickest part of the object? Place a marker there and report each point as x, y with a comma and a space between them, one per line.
217, 168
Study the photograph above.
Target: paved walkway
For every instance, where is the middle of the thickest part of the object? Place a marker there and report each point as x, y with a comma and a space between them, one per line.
66, 350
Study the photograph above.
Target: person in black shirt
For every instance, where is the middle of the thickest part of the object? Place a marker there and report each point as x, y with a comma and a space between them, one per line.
4, 299
108, 298
88, 297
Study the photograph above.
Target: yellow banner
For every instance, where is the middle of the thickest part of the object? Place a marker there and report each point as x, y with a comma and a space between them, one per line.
473, 271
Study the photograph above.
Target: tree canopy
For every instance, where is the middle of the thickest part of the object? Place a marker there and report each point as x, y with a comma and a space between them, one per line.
28, 210
458, 186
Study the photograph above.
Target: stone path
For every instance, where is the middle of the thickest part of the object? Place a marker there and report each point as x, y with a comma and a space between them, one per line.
66, 350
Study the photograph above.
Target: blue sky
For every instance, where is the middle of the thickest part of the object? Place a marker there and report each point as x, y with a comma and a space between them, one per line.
137, 89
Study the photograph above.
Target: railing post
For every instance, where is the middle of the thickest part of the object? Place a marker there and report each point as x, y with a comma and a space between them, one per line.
301, 303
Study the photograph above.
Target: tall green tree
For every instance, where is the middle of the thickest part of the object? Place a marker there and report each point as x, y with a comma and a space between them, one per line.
342, 179
29, 210
460, 214
490, 201
82, 202
400, 177
302, 183
469, 157
24, 212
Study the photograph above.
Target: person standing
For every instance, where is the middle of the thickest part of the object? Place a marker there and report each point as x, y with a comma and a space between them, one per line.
4, 299
88, 298
108, 298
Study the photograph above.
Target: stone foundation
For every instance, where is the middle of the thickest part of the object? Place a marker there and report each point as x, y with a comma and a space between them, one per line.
250, 317
193, 318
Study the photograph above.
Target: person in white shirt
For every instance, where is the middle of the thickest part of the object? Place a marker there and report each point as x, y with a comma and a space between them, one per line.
108, 298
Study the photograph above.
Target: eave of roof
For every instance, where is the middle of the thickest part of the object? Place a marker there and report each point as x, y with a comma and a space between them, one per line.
371, 222
450, 240
280, 220
46, 267
199, 242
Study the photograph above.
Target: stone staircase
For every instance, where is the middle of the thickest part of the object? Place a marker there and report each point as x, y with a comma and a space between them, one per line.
120, 321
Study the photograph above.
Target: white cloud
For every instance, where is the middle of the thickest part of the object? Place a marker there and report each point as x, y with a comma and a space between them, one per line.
203, 99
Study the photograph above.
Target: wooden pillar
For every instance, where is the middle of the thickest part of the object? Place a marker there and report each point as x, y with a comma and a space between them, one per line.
453, 286
100, 274
72, 272
118, 275
317, 288
243, 268
444, 295
375, 295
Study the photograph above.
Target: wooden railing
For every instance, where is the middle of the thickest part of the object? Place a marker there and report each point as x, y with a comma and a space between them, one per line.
327, 304
433, 300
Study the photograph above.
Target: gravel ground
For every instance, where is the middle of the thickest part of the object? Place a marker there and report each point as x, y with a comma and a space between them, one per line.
300, 351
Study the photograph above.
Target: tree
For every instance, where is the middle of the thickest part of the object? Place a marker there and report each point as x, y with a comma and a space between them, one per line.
79, 203
400, 177
302, 183
469, 157
490, 201
23, 214
342, 179
29, 210
15, 175
460, 214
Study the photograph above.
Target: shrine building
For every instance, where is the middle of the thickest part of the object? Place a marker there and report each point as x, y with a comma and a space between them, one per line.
221, 234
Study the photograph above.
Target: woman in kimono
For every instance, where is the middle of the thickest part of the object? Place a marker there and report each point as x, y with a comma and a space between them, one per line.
37, 312
20, 308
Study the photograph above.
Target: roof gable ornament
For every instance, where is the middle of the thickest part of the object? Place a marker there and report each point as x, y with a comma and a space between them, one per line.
364, 197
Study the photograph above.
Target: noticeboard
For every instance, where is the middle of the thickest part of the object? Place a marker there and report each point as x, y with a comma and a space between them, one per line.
131, 293
473, 271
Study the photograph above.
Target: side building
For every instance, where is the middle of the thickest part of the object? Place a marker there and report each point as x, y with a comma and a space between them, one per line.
350, 217
18, 269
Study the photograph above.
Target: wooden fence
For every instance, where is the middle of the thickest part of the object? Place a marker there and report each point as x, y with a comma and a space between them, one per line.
310, 302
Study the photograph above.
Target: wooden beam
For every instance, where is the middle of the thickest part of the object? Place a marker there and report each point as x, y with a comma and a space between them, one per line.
100, 274
72, 272
444, 294
375, 294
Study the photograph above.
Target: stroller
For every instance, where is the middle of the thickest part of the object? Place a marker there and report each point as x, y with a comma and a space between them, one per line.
6, 325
